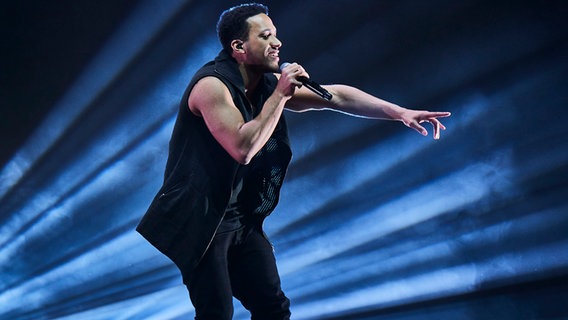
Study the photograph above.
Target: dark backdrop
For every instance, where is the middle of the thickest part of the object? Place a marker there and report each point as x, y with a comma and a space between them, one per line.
375, 221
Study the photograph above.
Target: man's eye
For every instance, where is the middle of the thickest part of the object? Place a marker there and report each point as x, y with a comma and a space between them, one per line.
265, 36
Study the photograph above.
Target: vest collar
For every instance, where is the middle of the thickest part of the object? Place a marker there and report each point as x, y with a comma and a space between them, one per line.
228, 67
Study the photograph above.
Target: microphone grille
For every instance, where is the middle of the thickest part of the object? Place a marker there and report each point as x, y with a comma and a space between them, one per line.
284, 65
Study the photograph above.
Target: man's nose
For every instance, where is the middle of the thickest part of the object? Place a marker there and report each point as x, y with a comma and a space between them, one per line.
276, 43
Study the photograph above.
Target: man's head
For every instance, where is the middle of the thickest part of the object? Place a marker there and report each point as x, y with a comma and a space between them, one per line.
233, 23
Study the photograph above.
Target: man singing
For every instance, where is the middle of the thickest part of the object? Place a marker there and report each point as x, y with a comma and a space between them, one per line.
228, 155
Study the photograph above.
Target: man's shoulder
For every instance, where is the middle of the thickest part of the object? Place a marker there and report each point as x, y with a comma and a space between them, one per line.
205, 70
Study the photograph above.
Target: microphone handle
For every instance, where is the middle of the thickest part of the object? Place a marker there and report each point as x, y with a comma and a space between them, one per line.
312, 85
316, 88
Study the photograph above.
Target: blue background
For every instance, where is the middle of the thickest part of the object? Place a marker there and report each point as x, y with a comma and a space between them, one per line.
375, 221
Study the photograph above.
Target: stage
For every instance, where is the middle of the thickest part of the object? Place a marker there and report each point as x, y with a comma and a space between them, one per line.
374, 221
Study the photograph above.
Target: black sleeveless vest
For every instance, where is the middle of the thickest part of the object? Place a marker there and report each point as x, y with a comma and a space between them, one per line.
186, 212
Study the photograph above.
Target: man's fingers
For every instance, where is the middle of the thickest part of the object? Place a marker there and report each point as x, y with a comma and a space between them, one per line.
416, 126
439, 114
436, 123
430, 117
436, 130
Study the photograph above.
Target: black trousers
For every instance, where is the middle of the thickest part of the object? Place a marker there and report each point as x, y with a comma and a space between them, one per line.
241, 264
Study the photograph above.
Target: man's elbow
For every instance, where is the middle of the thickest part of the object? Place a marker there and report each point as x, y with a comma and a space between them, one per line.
243, 156
239, 150
243, 160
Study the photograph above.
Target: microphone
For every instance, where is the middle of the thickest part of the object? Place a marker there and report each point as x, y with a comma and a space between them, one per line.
312, 85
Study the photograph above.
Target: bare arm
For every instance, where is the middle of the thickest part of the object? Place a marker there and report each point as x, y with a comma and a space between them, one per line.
211, 99
353, 101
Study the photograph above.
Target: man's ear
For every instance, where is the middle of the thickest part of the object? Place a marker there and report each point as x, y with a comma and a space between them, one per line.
237, 46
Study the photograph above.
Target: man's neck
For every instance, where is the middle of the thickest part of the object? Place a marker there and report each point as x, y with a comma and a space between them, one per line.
251, 78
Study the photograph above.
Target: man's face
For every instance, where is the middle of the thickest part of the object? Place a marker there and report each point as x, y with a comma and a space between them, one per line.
262, 45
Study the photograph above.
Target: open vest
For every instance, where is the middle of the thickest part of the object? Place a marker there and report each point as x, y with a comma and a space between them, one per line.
183, 217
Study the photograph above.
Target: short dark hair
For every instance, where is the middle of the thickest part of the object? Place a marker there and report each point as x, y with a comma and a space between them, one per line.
232, 23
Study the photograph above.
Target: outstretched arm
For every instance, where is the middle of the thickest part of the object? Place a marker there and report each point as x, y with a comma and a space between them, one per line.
356, 102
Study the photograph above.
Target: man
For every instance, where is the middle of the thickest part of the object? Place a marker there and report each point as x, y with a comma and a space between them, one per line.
228, 155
